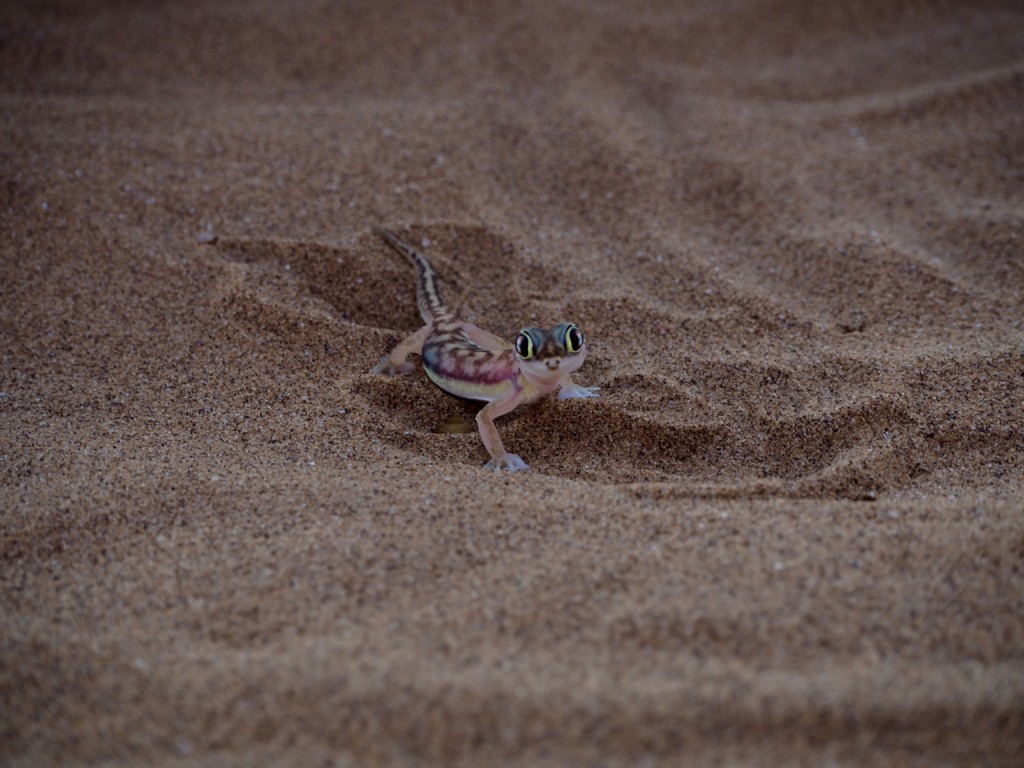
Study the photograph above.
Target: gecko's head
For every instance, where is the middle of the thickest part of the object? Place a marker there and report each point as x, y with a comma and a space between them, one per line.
546, 356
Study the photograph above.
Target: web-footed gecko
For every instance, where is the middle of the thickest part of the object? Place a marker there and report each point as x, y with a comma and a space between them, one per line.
467, 361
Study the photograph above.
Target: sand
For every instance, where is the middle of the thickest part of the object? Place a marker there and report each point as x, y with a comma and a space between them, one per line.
791, 530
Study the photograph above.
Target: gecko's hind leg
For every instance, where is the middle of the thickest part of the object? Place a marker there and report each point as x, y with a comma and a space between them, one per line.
394, 362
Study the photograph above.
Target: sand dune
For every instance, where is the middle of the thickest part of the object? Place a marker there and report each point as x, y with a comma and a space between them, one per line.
790, 531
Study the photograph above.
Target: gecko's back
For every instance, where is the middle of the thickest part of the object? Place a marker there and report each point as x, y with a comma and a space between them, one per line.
453, 359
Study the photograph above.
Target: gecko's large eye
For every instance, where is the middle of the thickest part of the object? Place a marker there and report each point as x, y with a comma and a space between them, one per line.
573, 339
525, 347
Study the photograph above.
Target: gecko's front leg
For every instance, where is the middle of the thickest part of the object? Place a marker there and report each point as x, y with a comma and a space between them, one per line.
394, 363
500, 458
569, 388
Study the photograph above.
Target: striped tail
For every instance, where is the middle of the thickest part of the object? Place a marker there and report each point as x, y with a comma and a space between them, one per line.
428, 298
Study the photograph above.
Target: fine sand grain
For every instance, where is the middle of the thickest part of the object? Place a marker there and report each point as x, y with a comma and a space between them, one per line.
791, 530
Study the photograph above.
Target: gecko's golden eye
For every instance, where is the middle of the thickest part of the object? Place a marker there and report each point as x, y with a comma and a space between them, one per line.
525, 347
573, 339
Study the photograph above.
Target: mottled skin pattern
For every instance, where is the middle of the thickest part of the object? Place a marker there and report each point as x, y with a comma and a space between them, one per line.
469, 362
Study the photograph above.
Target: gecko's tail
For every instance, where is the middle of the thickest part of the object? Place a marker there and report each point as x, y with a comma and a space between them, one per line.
428, 297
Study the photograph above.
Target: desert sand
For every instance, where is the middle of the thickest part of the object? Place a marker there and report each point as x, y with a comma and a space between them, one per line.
790, 531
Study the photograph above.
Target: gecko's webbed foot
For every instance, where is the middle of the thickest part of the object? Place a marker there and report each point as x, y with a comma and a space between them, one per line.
508, 462
575, 390
388, 368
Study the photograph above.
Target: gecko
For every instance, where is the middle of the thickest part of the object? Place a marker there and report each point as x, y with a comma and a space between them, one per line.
469, 362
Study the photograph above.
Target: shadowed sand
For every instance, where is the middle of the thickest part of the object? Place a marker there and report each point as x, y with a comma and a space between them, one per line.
790, 532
